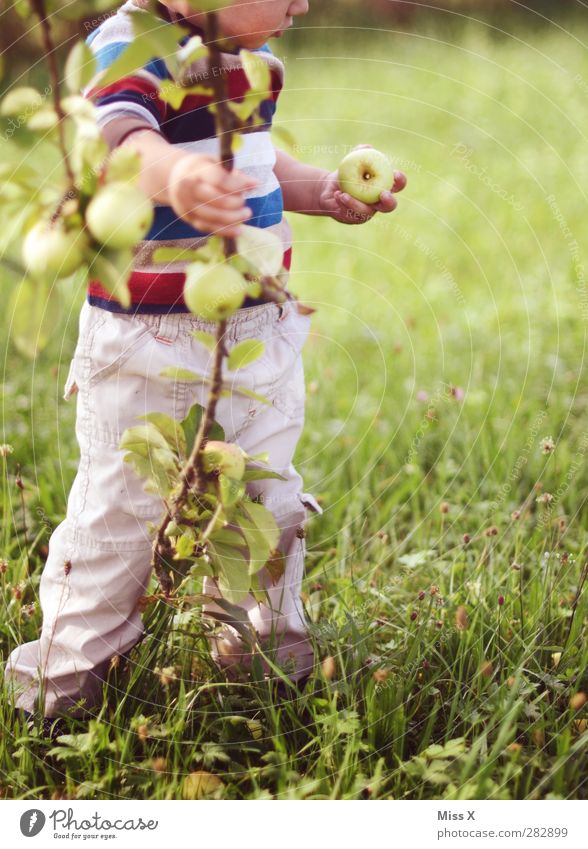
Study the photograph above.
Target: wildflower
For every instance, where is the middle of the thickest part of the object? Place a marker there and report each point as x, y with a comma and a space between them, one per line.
166, 675
466, 539
444, 507
380, 675
491, 531
422, 395
555, 659
515, 515
544, 498
510, 681
3, 566
457, 393
413, 615
422, 594
439, 624
500, 600
578, 701
6, 449
159, 765
17, 591
19, 483
434, 589
562, 527
516, 567
426, 665
515, 748
547, 445
461, 618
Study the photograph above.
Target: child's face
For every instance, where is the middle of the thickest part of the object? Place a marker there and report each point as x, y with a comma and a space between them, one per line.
249, 23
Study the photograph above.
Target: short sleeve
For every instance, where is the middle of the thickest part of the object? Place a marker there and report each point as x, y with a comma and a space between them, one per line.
130, 103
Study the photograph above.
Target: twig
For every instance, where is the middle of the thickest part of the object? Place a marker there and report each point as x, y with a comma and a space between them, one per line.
49, 47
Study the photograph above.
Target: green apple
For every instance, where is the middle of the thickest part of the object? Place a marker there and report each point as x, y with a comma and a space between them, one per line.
365, 174
51, 250
214, 292
224, 457
119, 216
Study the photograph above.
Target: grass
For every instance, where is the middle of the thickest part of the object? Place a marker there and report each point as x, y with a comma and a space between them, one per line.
448, 344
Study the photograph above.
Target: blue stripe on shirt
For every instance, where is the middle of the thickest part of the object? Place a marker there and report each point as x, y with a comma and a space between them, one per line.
107, 55
267, 211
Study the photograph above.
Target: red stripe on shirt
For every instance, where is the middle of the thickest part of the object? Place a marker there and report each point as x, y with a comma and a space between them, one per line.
162, 289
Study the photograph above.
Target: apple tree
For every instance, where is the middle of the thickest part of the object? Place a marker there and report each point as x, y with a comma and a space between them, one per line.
209, 525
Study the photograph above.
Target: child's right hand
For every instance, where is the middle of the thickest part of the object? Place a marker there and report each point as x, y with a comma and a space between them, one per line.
209, 197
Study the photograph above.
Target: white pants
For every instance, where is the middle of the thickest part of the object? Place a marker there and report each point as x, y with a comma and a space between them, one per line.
99, 557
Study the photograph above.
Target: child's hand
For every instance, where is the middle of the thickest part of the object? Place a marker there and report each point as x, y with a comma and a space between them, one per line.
346, 209
207, 196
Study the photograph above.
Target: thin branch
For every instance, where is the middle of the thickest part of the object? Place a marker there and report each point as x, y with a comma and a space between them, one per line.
49, 47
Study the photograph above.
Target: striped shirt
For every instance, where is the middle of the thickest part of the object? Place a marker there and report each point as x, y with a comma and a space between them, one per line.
157, 288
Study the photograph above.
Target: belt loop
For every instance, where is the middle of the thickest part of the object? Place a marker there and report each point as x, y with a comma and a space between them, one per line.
169, 326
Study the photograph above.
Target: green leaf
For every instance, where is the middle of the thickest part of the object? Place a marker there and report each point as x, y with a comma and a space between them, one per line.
124, 165
170, 429
262, 474
138, 54
262, 248
80, 67
165, 256
105, 267
141, 438
244, 353
257, 72
183, 375
184, 546
34, 310
231, 490
174, 94
229, 537
258, 544
156, 478
191, 424
206, 339
249, 393
264, 521
233, 577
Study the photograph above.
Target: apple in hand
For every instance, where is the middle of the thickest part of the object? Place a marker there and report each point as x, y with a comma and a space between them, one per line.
365, 174
214, 292
51, 250
224, 457
119, 216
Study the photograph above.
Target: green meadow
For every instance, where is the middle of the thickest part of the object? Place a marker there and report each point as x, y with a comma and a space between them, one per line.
446, 440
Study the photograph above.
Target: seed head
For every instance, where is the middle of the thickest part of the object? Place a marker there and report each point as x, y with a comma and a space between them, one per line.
444, 507
422, 594
466, 539
547, 445
3, 566
491, 531
461, 618
413, 615
578, 701
6, 449
500, 600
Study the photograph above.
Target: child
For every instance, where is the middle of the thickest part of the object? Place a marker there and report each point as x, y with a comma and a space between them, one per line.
99, 557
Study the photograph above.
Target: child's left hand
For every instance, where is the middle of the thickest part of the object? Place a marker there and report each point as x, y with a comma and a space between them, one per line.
348, 210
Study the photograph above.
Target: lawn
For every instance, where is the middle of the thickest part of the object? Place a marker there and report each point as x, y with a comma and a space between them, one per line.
445, 439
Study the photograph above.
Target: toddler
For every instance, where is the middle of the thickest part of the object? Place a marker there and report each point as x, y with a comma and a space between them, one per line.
98, 565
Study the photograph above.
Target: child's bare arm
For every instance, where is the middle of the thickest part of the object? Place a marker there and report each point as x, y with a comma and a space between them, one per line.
316, 191
197, 187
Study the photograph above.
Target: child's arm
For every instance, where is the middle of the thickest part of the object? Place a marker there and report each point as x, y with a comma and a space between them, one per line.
197, 187
316, 191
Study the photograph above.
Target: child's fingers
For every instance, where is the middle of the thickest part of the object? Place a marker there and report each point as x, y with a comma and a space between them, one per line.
387, 203
350, 204
210, 218
399, 181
